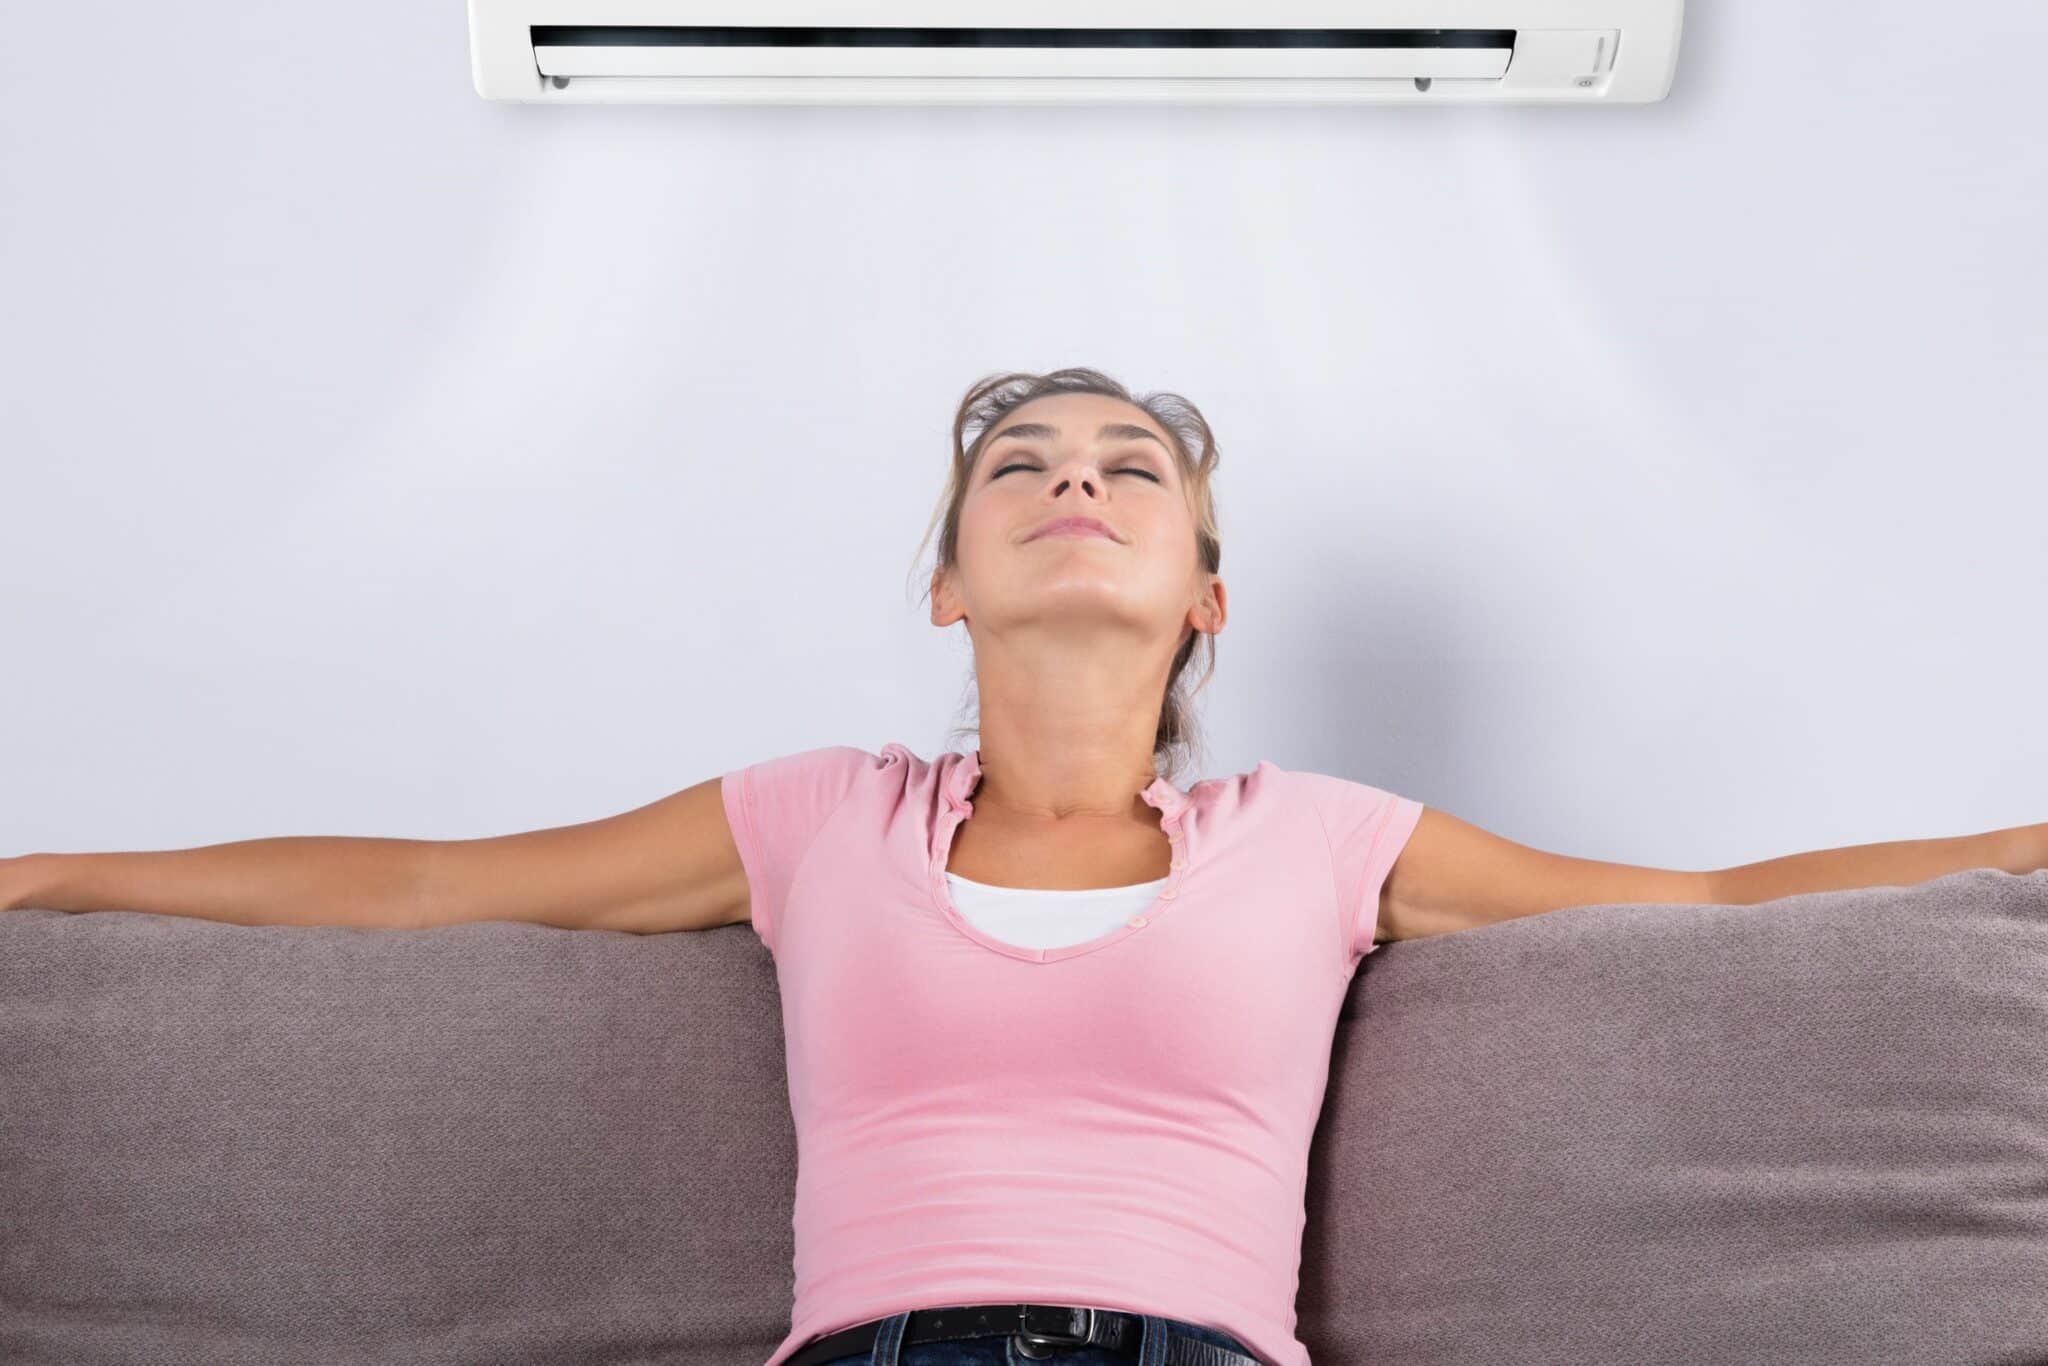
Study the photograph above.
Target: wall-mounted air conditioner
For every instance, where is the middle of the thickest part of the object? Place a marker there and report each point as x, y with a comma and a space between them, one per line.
1057, 51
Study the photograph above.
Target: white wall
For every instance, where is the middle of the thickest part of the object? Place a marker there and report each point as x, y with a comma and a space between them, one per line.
1656, 483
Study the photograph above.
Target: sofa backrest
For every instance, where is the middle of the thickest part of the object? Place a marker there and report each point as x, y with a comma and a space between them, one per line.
1813, 1130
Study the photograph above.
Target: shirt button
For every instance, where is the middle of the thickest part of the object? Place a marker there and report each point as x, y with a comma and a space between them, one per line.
1178, 863
1168, 895
1138, 922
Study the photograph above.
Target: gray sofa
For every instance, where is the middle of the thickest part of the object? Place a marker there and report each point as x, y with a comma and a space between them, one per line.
1809, 1131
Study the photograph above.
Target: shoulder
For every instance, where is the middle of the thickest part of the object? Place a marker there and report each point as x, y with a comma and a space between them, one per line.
1326, 790
1323, 786
1353, 812
803, 786
826, 761
1271, 789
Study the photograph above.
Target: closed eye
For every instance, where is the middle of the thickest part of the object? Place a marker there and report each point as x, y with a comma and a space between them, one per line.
1128, 469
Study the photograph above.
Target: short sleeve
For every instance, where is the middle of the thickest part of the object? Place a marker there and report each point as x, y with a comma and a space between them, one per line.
1367, 828
775, 809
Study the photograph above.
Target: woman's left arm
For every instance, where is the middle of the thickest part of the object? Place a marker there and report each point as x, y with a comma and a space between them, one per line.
1453, 875
2016, 849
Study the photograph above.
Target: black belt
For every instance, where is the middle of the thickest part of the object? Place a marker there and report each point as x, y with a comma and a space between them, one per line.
1041, 1330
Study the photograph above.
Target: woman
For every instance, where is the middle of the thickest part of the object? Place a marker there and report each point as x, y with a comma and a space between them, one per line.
1058, 1028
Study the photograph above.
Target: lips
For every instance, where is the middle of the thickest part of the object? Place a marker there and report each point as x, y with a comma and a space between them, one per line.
1073, 526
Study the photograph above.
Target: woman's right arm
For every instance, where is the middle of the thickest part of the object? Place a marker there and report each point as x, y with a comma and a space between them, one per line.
669, 865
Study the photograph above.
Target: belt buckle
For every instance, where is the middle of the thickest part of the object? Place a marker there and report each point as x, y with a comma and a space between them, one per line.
1027, 1339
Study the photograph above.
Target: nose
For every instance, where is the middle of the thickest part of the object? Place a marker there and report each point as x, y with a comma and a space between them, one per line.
1087, 476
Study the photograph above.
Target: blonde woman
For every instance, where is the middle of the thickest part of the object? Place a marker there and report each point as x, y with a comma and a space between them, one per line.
1058, 1024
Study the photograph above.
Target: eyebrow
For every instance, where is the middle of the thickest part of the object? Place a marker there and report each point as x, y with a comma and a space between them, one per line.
1111, 431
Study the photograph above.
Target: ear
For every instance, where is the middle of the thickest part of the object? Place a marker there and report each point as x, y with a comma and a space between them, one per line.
1211, 609
945, 606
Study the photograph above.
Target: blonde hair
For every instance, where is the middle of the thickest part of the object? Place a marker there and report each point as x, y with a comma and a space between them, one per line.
1176, 741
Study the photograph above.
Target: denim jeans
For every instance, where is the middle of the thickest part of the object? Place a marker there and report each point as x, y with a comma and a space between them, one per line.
1001, 1350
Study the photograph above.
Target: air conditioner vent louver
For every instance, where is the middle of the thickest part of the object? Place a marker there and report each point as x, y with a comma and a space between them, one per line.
1109, 53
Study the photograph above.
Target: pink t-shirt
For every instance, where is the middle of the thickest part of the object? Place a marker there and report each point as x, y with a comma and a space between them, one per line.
1123, 1122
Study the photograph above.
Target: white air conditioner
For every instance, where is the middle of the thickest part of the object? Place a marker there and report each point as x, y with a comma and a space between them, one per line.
1058, 51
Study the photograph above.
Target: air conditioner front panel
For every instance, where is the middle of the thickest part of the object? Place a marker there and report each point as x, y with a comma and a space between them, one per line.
961, 51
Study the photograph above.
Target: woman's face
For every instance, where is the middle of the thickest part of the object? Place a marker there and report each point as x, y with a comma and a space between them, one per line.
1079, 455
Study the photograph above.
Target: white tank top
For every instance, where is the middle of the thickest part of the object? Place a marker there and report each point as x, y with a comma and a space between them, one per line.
1033, 918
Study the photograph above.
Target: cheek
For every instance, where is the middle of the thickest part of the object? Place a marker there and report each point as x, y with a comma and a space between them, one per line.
988, 513
977, 522
981, 532
1167, 531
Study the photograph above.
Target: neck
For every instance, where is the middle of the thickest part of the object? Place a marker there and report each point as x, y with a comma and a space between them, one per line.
1060, 780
